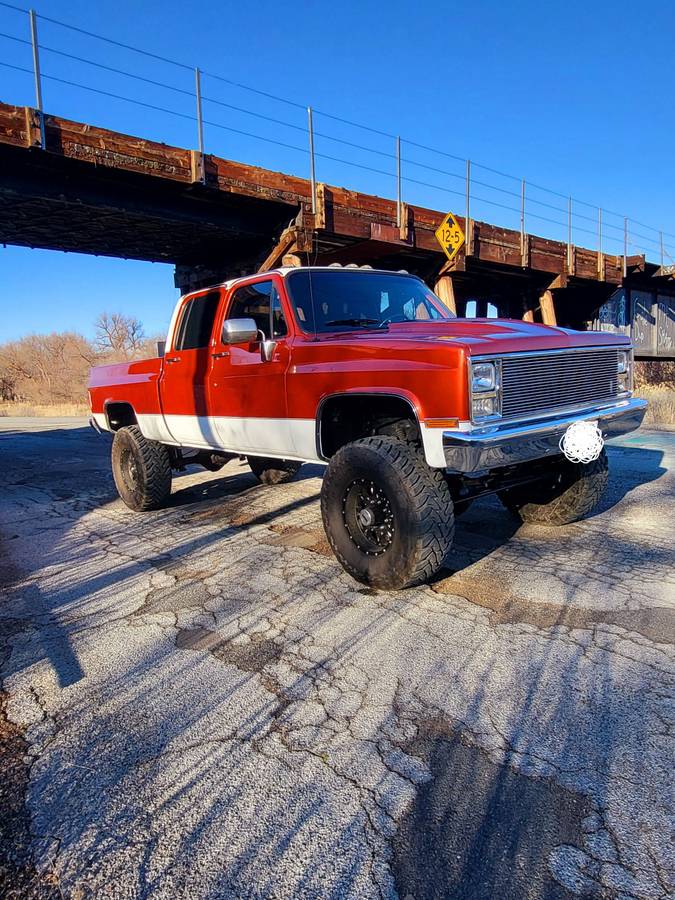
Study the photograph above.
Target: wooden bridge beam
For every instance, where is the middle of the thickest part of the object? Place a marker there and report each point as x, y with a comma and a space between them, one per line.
445, 290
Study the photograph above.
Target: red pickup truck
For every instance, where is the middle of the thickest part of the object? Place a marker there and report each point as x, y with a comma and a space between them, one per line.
414, 411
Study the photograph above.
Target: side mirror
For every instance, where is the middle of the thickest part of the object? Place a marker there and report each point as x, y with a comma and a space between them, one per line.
239, 331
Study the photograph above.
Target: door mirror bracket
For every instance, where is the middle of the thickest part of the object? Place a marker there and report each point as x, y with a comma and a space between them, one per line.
267, 349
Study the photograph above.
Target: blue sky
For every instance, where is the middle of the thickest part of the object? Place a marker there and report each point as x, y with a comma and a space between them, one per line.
574, 97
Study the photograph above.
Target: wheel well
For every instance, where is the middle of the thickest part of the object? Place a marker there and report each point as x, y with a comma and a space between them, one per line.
348, 417
120, 415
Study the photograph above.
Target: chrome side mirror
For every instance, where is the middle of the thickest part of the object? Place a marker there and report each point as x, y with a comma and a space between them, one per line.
239, 331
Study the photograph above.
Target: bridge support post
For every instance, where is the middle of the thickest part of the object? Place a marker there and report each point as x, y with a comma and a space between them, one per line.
547, 306
445, 291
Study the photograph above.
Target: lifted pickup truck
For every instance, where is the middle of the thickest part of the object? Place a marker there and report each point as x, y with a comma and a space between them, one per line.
414, 411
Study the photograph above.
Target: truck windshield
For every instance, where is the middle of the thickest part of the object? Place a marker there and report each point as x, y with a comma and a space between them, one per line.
342, 300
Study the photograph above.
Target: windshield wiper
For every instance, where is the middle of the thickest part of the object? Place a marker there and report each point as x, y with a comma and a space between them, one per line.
353, 322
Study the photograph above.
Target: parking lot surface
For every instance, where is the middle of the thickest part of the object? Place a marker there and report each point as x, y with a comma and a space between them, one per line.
206, 705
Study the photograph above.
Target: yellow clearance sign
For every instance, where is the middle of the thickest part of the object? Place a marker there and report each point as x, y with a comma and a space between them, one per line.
450, 236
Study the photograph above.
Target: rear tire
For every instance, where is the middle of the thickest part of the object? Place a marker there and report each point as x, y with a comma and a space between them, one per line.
387, 515
273, 471
573, 490
141, 469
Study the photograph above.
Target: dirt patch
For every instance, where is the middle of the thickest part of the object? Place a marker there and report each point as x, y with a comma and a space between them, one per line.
251, 507
18, 877
313, 539
656, 624
478, 830
252, 656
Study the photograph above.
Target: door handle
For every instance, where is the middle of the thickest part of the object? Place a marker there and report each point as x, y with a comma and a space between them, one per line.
221, 354
171, 359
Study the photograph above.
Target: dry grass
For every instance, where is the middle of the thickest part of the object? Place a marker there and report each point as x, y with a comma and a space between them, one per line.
661, 399
56, 410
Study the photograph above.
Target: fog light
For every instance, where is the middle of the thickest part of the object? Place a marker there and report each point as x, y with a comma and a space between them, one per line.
482, 407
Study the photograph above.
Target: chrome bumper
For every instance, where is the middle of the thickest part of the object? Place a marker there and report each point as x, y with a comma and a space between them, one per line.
506, 445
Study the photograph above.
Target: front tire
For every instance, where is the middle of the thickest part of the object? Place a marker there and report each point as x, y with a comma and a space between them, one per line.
273, 471
387, 515
571, 492
141, 469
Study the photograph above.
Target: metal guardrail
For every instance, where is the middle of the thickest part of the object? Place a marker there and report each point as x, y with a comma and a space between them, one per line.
521, 197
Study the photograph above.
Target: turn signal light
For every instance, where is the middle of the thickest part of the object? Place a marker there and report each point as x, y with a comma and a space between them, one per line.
441, 423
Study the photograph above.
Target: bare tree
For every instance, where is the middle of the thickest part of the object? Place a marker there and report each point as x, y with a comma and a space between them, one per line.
46, 368
118, 336
54, 368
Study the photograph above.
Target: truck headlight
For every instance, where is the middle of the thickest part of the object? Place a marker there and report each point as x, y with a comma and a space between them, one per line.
483, 377
485, 387
624, 369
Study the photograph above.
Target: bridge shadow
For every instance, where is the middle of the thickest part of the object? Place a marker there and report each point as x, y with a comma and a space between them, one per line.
186, 748
486, 823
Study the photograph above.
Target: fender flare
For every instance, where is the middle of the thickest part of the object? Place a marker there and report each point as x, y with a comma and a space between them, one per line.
408, 398
112, 402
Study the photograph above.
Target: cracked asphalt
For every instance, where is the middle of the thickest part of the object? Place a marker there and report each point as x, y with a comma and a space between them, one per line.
201, 704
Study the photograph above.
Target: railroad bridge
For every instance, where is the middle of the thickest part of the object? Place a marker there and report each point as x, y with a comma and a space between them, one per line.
74, 187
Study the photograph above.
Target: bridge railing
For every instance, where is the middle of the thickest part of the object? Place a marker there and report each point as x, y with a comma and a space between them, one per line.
82, 75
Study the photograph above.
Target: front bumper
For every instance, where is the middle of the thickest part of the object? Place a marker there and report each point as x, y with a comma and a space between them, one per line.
472, 452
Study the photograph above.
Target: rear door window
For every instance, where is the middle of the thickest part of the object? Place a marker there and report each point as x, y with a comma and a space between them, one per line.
196, 323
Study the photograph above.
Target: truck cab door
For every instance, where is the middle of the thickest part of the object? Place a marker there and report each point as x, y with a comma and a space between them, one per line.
246, 391
183, 384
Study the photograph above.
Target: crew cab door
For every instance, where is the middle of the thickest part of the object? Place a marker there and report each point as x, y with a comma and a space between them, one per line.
183, 384
247, 393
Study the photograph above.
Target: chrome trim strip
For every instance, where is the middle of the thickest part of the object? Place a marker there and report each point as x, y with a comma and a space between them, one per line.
590, 349
475, 451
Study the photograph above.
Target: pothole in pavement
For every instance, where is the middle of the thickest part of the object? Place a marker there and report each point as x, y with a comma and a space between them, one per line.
656, 623
313, 539
184, 594
479, 830
249, 657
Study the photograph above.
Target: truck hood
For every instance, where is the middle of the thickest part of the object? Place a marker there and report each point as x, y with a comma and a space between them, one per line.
481, 336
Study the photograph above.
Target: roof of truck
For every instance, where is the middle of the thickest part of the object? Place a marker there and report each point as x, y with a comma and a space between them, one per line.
286, 270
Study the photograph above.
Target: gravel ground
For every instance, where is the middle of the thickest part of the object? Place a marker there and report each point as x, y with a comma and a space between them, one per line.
200, 703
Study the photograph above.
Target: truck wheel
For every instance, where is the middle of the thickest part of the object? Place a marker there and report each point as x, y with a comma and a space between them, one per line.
141, 469
273, 471
387, 515
573, 490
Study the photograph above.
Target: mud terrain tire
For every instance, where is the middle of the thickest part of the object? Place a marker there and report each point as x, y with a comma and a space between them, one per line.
387, 515
141, 469
573, 490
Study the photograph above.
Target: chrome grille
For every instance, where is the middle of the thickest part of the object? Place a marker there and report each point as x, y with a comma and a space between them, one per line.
532, 384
